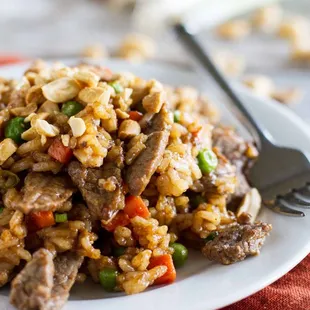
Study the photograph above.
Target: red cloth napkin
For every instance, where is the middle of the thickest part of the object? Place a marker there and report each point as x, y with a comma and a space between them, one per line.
291, 292
11, 59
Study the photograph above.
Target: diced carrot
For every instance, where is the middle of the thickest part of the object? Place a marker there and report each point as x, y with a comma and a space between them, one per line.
135, 206
120, 219
196, 133
60, 152
135, 115
39, 220
164, 260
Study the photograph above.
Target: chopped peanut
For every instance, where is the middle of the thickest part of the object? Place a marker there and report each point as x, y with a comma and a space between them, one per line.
287, 96
45, 129
77, 125
65, 139
234, 30
7, 148
260, 85
294, 27
268, 18
153, 102
129, 129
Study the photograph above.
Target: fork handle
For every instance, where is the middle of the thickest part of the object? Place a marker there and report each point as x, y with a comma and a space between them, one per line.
237, 106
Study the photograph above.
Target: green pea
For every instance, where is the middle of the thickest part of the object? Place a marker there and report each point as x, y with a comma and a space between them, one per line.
119, 251
107, 278
179, 255
212, 235
177, 116
207, 161
71, 108
14, 129
117, 87
61, 217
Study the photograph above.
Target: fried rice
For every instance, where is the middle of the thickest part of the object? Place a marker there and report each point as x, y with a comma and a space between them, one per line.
120, 172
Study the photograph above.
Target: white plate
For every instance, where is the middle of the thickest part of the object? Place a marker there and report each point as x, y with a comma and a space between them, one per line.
200, 284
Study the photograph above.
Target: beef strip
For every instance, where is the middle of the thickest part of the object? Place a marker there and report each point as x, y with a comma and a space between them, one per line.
41, 192
236, 242
141, 170
102, 204
44, 284
159, 122
32, 287
233, 147
66, 269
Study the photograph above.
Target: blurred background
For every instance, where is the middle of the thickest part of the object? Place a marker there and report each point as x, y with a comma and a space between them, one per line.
264, 44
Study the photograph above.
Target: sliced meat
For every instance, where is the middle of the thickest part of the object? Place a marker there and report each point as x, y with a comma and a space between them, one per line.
17, 98
231, 145
235, 243
160, 121
44, 284
102, 204
31, 288
141, 170
41, 192
234, 147
66, 269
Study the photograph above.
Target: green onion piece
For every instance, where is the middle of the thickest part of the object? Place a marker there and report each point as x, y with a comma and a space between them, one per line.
196, 200
119, 251
61, 217
207, 161
177, 116
8, 179
211, 236
71, 108
107, 278
179, 255
117, 87
14, 129
1, 209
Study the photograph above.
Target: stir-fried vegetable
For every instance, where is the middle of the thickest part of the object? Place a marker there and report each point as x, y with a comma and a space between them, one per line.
61, 217
119, 251
120, 219
135, 115
1, 210
117, 87
14, 129
135, 206
41, 219
207, 160
107, 278
60, 152
71, 108
8, 179
177, 116
179, 255
164, 260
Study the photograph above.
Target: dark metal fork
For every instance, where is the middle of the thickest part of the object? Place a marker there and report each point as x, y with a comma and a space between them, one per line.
280, 174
